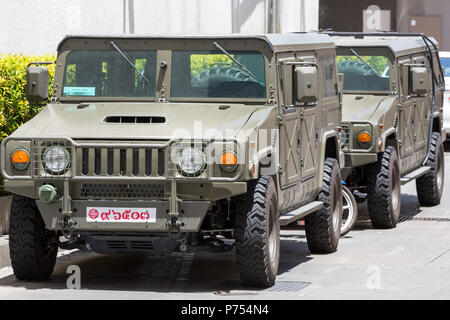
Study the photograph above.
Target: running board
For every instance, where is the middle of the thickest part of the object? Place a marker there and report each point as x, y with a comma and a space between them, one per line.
299, 213
414, 175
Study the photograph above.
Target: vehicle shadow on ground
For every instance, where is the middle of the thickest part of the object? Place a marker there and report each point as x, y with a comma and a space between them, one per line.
410, 207
190, 272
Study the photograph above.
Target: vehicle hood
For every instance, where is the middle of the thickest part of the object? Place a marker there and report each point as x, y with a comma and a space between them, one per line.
364, 107
181, 120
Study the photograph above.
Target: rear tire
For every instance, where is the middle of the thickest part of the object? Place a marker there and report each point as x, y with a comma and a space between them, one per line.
323, 227
32, 247
258, 233
383, 190
430, 186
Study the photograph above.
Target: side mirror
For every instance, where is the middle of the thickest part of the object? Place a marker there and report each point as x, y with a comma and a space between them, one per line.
37, 83
306, 84
419, 80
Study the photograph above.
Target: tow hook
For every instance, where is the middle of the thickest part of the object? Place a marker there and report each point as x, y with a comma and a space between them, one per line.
173, 222
67, 221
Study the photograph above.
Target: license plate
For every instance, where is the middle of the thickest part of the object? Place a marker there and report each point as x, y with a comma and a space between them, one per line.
109, 214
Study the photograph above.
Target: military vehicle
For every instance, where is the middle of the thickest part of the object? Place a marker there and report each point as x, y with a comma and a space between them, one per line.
155, 144
392, 129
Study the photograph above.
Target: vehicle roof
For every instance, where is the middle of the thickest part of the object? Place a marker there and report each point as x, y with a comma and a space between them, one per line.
397, 44
276, 41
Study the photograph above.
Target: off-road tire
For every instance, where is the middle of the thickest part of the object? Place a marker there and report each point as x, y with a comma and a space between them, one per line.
258, 233
353, 211
32, 247
430, 186
220, 74
323, 227
383, 190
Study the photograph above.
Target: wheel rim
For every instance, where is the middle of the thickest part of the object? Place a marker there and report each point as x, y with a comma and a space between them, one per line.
272, 235
335, 210
440, 173
348, 210
395, 189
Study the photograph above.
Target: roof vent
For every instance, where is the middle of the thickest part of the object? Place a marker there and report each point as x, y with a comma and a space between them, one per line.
138, 119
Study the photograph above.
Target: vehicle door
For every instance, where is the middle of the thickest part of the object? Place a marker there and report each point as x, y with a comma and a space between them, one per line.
421, 111
290, 172
405, 113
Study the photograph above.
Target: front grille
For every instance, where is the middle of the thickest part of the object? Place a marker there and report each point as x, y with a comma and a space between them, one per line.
139, 162
122, 190
345, 135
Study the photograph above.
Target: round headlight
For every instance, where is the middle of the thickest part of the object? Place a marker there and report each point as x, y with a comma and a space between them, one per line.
364, 139
191, 161
56, 159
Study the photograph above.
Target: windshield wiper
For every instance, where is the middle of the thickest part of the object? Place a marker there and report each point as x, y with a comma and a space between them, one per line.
365, 62
141, 73
234, 60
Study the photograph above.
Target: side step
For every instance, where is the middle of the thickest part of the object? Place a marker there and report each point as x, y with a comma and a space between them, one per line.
414, 175
299, 213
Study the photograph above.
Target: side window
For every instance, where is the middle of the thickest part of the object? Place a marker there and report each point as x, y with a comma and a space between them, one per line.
328, 64
404, 76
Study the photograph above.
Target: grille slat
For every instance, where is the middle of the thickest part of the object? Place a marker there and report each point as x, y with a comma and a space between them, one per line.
128, 162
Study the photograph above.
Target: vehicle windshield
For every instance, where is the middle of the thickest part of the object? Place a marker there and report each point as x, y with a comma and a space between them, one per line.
370, 75
105, 73
212, 74
445, 63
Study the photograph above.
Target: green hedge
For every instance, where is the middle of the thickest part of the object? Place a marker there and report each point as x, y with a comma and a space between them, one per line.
14, 107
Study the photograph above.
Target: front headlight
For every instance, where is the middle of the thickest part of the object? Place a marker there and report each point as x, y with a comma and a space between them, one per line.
190, 161
364, 139
56, 159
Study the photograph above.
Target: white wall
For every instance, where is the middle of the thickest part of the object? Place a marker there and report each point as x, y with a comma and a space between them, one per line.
37, 26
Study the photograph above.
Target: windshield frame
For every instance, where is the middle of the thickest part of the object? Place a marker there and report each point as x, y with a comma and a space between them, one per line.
370, 51
163, 48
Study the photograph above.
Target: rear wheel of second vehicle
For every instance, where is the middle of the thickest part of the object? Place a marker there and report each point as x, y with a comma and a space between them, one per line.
258, 233
349, 211
430, 186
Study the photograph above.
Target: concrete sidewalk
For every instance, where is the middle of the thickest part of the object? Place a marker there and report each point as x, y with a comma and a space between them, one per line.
4, 252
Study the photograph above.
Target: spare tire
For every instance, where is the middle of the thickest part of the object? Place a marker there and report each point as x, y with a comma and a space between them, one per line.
354, 66
219, 75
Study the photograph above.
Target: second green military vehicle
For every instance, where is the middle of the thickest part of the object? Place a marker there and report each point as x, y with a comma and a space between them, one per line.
391, 119
151, 144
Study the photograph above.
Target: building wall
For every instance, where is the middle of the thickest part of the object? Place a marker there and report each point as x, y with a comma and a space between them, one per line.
36, 26
407, 8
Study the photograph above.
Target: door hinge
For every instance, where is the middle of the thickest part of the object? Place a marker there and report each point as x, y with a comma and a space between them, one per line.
280, 121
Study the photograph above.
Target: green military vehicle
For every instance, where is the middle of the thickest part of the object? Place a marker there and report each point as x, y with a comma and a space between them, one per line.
391, 119
155, 144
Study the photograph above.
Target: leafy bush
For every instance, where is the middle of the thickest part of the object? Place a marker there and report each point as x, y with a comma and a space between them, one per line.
14, 107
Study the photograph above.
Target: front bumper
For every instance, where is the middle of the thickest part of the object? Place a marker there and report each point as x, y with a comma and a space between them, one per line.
191, 215
353, 160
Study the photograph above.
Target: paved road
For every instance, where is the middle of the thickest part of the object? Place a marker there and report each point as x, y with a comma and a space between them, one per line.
409, 262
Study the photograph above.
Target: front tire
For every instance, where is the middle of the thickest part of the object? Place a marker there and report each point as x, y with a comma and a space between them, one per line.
383, 190
32, 247
323, 227
349, 211
258, 233
430, 186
